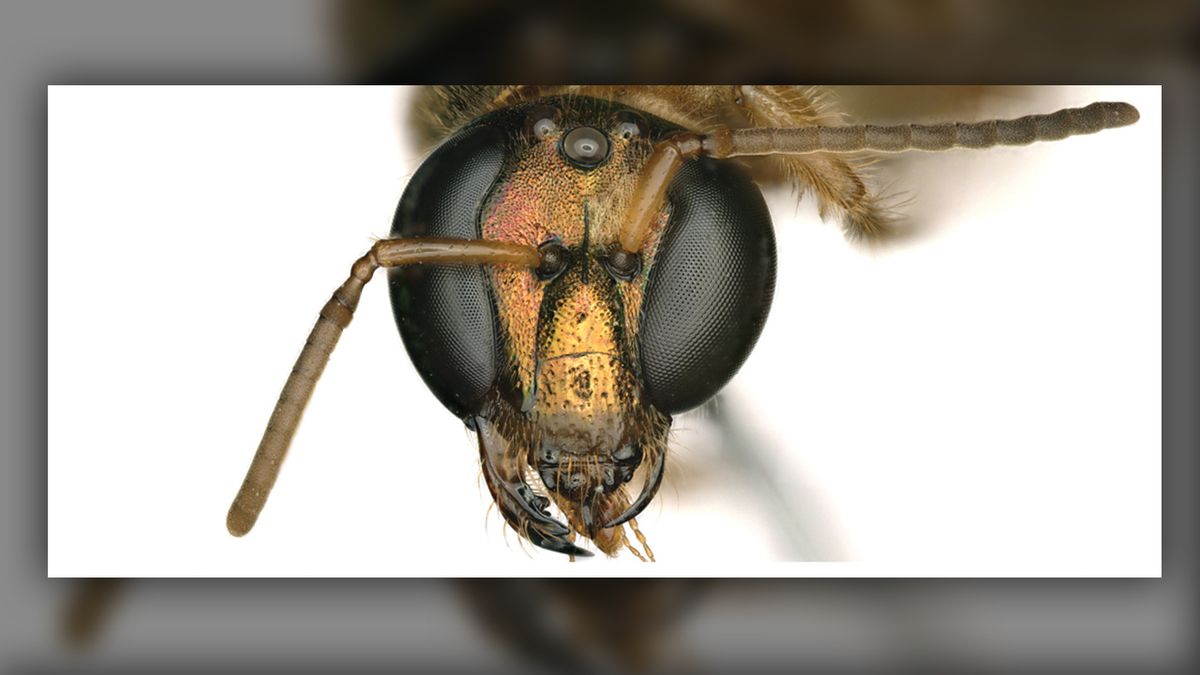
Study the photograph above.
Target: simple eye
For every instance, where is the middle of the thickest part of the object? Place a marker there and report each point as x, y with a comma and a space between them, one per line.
585, 147
542, 122
544, 127
630, 125
555, 258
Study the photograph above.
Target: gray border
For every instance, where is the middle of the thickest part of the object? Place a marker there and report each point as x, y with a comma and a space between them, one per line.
136, 42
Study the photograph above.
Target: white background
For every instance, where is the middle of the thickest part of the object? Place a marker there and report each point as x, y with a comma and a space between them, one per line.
984, 400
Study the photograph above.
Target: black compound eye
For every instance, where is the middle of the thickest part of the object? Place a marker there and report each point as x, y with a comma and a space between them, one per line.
585, 147
709, 287
445, 313
555, 258
630, 125
622, 264
541, 122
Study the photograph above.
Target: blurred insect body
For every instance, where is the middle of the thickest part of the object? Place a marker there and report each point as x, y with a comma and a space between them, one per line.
574, 265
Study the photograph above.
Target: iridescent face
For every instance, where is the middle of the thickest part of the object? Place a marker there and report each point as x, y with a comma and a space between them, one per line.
570, 372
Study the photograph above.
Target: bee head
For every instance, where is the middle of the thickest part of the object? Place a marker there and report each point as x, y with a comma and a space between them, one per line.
571, 370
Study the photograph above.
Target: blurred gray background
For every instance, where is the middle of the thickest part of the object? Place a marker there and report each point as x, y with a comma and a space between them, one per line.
298, 625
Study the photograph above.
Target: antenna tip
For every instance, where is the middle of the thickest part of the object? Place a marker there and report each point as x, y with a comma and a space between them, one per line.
1120, 114
239, 521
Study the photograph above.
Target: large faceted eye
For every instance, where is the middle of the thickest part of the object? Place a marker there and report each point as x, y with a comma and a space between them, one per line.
445, 313
709, 288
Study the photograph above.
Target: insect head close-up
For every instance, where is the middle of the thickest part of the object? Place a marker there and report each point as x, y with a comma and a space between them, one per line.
572, 267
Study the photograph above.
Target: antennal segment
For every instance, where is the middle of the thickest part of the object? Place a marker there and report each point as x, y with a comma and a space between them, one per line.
927, 137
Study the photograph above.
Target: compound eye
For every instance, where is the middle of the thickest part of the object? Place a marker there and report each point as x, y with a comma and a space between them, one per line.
630, 125
542, 122
555, 258
445, 313
708, 287
585, 147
